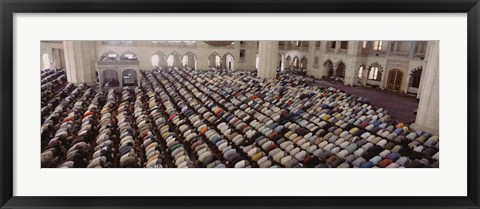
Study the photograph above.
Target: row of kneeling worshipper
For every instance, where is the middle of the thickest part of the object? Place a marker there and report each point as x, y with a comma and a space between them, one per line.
180, 118
51, 82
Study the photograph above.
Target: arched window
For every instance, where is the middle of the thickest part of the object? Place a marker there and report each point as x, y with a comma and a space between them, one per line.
46, 61
112, 56
364, 44
109, 55
375, 72
377, 45
128, 55
360, 72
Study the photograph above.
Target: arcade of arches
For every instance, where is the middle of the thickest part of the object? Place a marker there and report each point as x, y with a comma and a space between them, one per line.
240, 104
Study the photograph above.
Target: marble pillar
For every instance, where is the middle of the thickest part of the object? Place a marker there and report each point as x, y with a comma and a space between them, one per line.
428, 108
411, 53
268, 59
57, 62
80, 62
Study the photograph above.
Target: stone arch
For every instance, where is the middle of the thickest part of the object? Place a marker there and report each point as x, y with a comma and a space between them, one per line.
327, 60
303, 63
415, 76
288, 62
361, 71
109, 55
376, 64
214, 60
110, 78
174, 59
296, 62
160, 61
128, 55
328, 68
228, 61
340, 71
189, 59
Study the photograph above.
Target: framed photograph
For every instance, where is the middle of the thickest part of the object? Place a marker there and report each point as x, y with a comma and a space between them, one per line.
265, 104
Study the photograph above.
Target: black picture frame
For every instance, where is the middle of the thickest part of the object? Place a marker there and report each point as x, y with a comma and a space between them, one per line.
10, 7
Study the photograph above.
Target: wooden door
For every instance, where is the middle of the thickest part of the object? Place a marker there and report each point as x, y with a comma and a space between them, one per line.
394, 81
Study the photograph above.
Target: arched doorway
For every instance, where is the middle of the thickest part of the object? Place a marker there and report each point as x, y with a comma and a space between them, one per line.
214, 61
288, 62
159, 60
228, 61
296, 63
174, 60
394, 80
415, 77
340, 70
303, 63
328, 68
189, 60
129, 77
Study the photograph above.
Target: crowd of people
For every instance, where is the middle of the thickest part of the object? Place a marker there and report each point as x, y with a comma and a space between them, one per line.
181, 118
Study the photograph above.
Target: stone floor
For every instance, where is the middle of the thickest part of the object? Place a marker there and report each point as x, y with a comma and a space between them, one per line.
401, 107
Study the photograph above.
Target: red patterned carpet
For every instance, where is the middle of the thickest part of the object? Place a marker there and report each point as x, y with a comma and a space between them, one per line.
401, 107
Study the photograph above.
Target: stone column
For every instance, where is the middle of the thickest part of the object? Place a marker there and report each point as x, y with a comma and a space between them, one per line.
57, 62
389, 47
412, 49
337, 46
80, 62
50, 58
62, 58
268, 59
351, 71
311, 58
395, 46
428, 108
